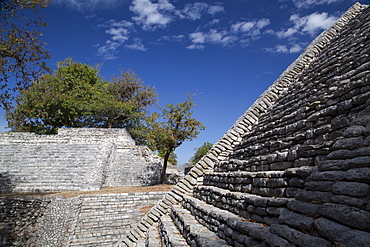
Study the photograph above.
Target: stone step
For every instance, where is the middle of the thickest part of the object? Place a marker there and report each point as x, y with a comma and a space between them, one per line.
236, 230
263, 183
195, 233
170, 235
265, 210
153, 239
89, 242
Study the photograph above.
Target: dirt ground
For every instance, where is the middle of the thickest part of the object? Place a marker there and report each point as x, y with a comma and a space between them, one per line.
106, 190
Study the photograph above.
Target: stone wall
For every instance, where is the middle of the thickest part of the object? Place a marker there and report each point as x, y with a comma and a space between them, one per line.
294, 169
53, 167
120, 137
74, 159
86, 220
18, 219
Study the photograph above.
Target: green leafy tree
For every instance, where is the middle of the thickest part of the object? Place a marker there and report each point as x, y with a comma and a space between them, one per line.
171, 159
75, 96
22, 53
199, 153
167, 131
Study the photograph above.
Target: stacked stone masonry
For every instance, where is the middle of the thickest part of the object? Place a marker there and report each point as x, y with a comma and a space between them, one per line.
75, 159
294, 170
86, 220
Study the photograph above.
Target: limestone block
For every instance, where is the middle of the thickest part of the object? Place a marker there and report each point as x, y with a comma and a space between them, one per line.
349, 143
328, 175
313, 196
295, 220
359, 174
296, 182
341, 234
297, 237
347, 215
350, 201
319, 185
354, 131
310, 209
351, 189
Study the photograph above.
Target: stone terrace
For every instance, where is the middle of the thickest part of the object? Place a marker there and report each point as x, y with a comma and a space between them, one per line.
294, 170
74, 159
84, 220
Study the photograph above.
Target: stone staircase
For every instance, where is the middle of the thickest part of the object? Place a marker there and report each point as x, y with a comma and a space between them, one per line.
294, 170
101, 220
240, 215
104, 218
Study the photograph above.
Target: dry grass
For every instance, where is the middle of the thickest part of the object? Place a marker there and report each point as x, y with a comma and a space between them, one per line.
106, 190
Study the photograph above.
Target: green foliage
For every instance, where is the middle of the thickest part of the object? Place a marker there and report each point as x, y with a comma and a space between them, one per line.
171, 159
22, 54
167, 131
75, 96
199, 153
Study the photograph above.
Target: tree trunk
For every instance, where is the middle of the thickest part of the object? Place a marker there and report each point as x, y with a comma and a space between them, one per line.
163, 174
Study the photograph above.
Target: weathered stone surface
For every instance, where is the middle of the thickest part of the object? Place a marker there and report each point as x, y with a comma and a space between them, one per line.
299, 153
76, 159
304, 208
350, 201
319, 185
342, 235
296, 220
349, 143
297, 237
328, 175
347, 215
359, 174
351, 188
313, 196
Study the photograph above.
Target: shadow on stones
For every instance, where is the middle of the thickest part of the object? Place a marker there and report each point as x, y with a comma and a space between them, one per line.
7, 183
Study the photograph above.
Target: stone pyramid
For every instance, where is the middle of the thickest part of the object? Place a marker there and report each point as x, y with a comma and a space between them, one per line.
294, 170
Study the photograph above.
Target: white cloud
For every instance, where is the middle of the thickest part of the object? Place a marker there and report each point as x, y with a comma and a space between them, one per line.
89, 5
213, 22
195, 47
281, 49
114, 23
250, 28
243, 26
176, 38
152, 15
309, 24
310, 3
194, 11
295, 48
213, 37
263, 23
197, 37
137, 45
215, 9
317, 21
287, 33
109, 50
118, 34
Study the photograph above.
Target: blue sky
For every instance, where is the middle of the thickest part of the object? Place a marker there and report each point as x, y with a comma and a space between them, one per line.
226, 52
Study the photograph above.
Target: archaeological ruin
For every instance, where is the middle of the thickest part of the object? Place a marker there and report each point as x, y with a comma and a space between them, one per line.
294, 169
